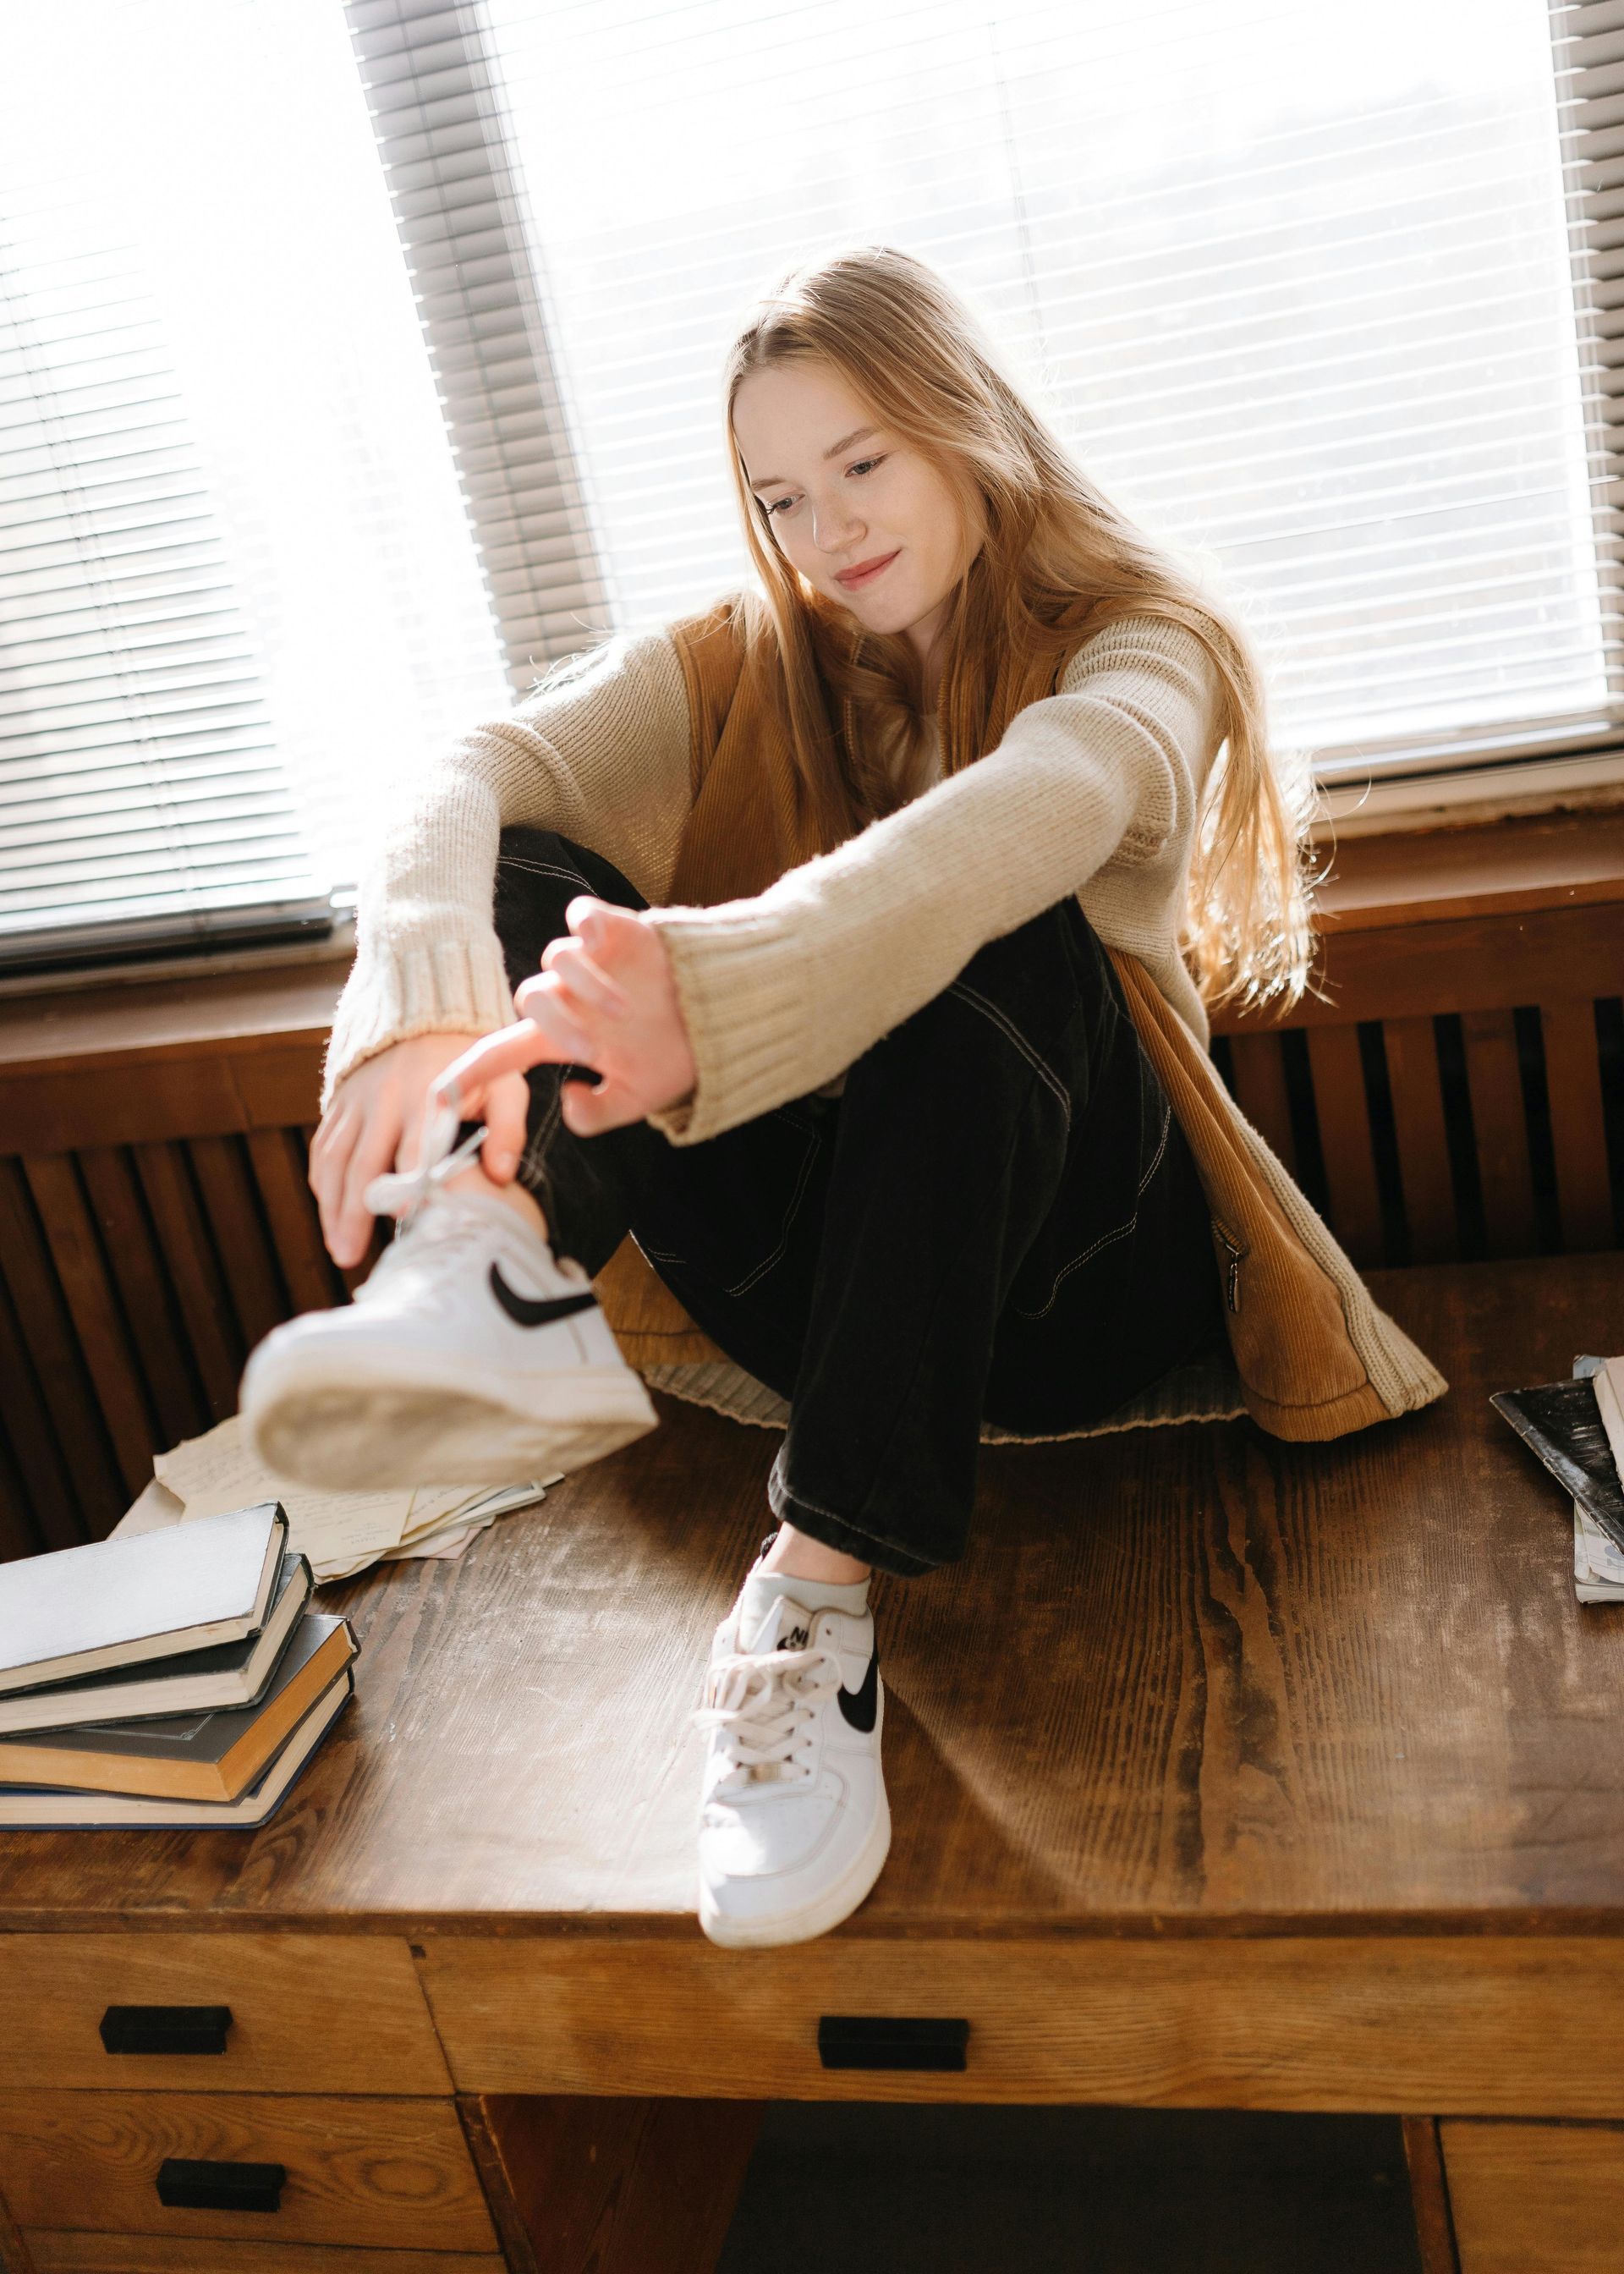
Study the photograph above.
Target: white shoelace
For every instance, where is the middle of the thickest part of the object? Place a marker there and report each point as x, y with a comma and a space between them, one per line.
436, 1164
442, 1229
761, 1705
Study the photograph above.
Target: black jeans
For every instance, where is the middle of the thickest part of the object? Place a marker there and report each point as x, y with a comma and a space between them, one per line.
999, 1219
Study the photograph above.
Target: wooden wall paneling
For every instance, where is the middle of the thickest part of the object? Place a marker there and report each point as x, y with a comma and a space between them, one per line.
18, 1536
1482, 962
216, 1343
57, 1109
1260, 1092
58, 1365
278, 1162
1411, 1047
97, 1315
136, 1261
1499, 1130
231, 1205
1578, 1126
53, 1506
279, 1086
1343, 1112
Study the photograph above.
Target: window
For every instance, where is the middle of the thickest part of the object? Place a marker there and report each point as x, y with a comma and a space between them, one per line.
1317, 295
238, 591
1296, 281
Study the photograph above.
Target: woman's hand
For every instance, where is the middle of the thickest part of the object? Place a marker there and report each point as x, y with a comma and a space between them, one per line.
605, 998
373, 1122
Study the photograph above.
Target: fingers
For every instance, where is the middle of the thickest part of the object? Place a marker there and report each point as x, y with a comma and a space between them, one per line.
581, 982
586, 1111
507, 1113
542, 1000
511, 1050
373, 1152
329, 1157
594, 921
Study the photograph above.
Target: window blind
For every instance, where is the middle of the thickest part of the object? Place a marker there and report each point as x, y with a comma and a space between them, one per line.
1311, 292
238, 590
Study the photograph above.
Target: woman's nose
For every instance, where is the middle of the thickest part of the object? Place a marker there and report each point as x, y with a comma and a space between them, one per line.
832, 531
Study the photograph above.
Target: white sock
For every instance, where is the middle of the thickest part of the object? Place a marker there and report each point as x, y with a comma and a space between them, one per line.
761, 1589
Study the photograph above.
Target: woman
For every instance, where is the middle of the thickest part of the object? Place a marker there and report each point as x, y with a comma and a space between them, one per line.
874, 901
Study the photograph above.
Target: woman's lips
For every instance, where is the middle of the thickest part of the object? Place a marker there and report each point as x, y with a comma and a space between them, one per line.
868, 574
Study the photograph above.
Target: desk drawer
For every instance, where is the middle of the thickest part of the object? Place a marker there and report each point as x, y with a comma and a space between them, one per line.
396, 2174
310, 2013
1488, 2024
59, 2253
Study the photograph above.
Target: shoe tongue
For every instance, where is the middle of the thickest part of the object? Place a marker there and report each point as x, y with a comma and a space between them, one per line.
523, 1244
782, 1625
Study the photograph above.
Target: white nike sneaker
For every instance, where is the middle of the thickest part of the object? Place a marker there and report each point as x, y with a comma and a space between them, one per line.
795, 1825
469, 1356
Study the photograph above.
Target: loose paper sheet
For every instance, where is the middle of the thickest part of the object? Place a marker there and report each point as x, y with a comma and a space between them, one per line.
341, 1533
222, 1471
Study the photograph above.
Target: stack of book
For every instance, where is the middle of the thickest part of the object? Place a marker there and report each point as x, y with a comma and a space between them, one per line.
173, 1678
1576, 1427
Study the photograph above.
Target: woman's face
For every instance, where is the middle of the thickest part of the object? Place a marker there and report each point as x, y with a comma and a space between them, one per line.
841, 491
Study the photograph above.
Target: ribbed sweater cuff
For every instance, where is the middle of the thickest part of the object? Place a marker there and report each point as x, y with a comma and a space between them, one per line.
741, 1001
448, 985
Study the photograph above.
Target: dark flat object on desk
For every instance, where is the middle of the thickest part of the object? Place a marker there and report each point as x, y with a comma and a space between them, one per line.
1560, 1423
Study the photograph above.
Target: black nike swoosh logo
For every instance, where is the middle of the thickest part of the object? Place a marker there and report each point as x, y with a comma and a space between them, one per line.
862, 1704
530, 1311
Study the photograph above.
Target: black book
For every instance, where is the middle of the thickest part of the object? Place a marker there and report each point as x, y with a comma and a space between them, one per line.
36, 1808
208, 1757
1560, 1422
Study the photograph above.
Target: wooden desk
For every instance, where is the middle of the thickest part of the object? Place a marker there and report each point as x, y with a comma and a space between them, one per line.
1224, 1772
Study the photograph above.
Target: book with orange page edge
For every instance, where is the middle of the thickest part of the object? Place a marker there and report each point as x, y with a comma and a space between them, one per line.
1564, 1424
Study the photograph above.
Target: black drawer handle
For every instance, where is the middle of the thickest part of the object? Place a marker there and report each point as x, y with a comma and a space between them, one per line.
892, 2041
191, 2183
165, 2029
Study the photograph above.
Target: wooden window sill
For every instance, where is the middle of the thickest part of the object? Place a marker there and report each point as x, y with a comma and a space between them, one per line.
1377, 884
1500, 867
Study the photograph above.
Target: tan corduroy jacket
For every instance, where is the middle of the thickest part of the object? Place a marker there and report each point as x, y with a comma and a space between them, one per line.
1314, 1356
665, 754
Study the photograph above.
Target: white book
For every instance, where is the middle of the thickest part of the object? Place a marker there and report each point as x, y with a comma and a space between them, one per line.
192, 1682
1598, 1566
120, 1602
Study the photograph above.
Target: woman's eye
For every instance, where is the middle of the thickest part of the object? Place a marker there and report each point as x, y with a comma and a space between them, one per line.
863, 466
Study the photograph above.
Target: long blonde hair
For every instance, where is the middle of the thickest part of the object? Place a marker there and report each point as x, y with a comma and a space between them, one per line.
1059, 561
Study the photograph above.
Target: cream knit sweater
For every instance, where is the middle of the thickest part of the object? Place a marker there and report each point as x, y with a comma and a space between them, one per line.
1092, 791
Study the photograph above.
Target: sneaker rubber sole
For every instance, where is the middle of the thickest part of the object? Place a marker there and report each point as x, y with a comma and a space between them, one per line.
374, 1427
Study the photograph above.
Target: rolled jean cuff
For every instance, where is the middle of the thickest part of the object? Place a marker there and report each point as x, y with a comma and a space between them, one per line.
837, 1532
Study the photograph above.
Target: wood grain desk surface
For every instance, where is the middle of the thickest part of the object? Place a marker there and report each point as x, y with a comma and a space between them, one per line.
1188, 1682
